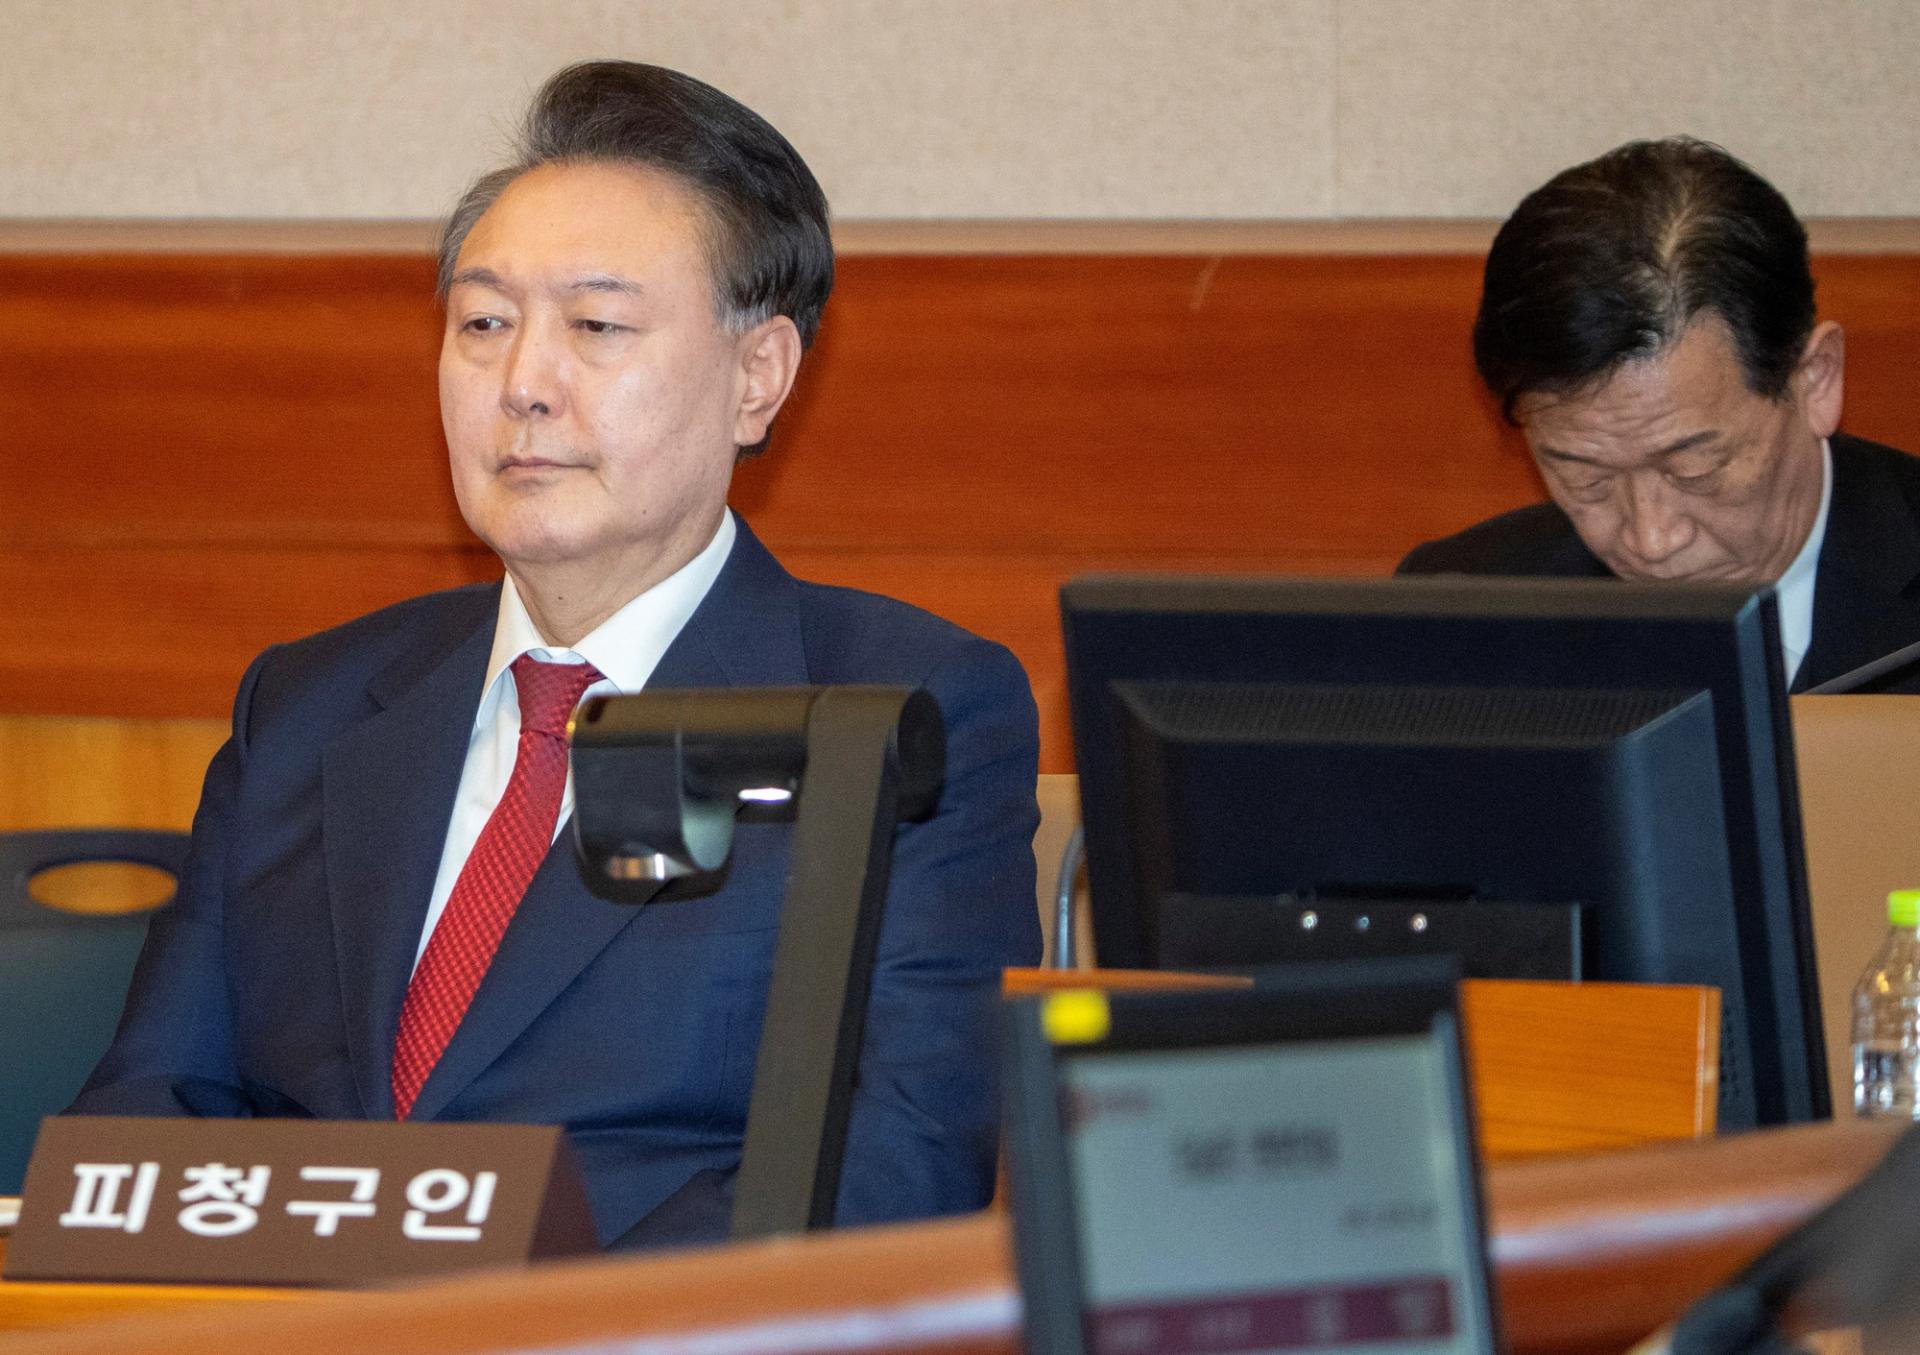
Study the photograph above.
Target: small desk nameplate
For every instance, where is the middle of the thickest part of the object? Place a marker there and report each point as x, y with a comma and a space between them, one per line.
291, 1202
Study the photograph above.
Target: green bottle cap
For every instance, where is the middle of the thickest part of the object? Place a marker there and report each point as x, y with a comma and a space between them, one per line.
1903, 908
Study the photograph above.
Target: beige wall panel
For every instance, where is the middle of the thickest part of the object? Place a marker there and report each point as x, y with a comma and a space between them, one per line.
906, 108
1458, 107
964, 109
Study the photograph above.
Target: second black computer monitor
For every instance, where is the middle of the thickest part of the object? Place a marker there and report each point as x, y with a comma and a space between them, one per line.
1547, 778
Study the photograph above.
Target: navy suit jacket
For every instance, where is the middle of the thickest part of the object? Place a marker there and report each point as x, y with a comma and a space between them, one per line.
273, 984
1866, 592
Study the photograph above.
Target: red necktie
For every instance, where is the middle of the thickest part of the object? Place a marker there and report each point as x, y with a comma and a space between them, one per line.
498, 870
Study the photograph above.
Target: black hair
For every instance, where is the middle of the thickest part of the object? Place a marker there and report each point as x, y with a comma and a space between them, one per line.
1611, 260
768, 242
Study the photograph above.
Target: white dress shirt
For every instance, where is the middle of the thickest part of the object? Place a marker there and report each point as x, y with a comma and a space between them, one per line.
626, 648
1794, 592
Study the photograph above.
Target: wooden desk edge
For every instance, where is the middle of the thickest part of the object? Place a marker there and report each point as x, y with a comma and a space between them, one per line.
1587, 1251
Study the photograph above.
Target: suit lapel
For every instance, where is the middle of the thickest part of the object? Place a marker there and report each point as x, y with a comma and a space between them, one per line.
388, 787
1862, 602
746, 632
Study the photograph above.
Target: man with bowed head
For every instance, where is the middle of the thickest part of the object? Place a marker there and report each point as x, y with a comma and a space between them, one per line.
1647, 320
378, 917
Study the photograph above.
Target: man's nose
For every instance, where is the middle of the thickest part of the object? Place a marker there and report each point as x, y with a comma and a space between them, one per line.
1655, 525
533, 385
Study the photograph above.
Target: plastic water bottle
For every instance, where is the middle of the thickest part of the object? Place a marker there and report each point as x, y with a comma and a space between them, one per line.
1886, 1018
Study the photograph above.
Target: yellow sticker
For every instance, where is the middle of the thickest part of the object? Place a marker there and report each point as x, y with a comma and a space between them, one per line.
1076, 1016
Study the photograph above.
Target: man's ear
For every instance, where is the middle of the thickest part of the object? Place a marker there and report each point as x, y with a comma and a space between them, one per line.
769, 361
1820, 381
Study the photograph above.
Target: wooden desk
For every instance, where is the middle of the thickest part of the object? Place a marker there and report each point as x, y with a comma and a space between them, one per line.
25, 1306
1556, 1067
1591, 1254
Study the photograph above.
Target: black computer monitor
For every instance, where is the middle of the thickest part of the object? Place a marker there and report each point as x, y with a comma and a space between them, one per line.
1546, 778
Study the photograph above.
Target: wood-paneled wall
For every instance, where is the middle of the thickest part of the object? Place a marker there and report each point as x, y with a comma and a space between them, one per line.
203, 454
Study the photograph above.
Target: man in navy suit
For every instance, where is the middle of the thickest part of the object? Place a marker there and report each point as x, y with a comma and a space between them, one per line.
1647, 320
380, 915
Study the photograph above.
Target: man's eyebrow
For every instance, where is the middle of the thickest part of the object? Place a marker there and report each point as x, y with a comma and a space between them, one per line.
610, 283
1671, 449
1555, 454
477, 277
1692, 440
606, 282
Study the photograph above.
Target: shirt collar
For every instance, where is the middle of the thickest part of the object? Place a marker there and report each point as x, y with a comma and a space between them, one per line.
628, 645
1794, 592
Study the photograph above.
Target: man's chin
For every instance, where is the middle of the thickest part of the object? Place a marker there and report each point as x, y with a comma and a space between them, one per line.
1717, 573
534, 546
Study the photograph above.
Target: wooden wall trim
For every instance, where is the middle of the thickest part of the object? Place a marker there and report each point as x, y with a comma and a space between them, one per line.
1863, 235
210, 452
